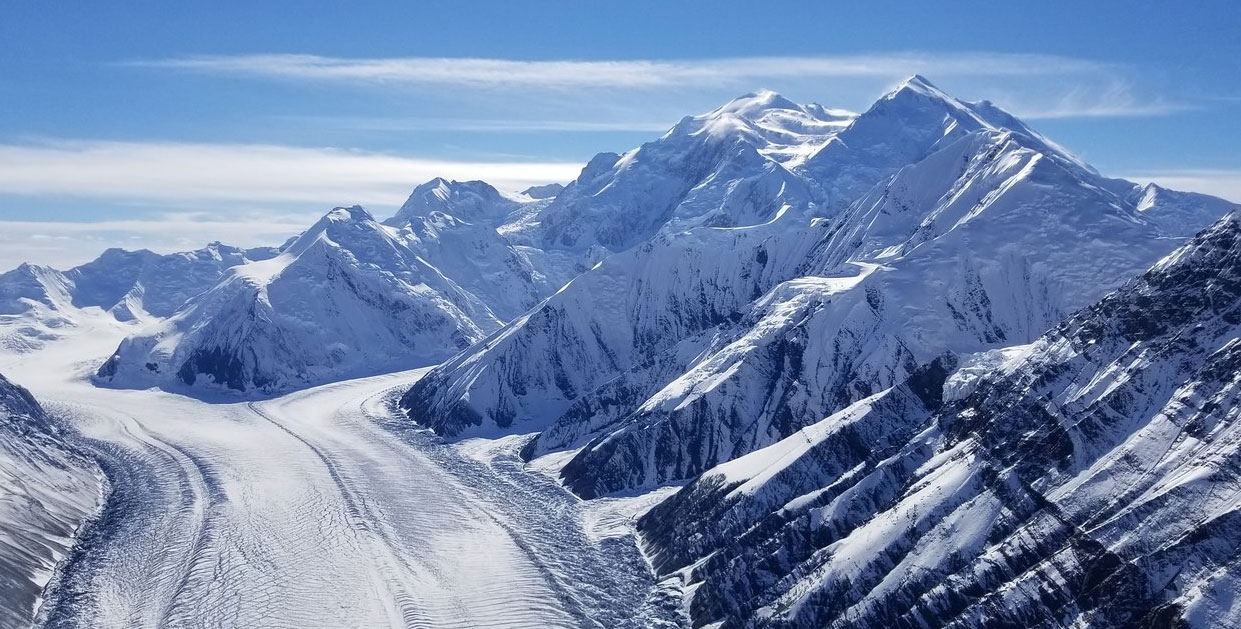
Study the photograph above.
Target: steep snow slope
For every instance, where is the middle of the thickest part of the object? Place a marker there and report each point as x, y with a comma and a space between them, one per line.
130, 284
996, 257
35, 304
47, 491
37, 301
349, 296
1178, 212
664, 360
626, 314
1088, 480
452, 225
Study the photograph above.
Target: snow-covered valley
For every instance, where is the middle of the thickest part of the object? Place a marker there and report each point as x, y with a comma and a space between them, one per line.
314, 509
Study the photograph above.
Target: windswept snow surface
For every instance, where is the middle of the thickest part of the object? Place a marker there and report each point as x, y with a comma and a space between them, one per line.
314, 509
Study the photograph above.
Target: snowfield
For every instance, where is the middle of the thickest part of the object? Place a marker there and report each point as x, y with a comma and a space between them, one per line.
314, 510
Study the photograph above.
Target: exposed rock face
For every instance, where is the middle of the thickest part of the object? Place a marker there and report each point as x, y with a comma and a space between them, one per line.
1086, 479
47, 491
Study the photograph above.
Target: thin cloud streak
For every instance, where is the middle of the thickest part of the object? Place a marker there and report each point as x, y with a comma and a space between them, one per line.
1113, 99
1090, 89
249, 173
1104, 110
482, 125
636, 73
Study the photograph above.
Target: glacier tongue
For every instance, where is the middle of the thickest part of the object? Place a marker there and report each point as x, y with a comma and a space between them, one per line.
320, 508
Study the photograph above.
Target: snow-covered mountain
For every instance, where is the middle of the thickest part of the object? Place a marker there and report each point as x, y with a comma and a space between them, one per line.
348, 296
897, 362
474, 202
729, 167
1086, 479
456, 226
36, 301
354, 296
47, 491
998, 256
967, 231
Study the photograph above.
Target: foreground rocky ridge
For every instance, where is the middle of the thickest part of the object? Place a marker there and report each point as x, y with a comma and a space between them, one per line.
1086, 479
47, 491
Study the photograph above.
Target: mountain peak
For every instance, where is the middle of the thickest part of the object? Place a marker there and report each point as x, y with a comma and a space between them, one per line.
545, 191
757, 103
352, 214
470, 201
919, 82
917, 86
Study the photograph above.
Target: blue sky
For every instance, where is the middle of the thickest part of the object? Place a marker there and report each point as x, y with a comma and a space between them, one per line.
166, 125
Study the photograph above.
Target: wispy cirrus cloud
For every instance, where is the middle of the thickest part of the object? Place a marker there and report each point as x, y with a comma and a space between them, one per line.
243, 194
480, 125
1110, 98
625, 73
242, 173
1041, 86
